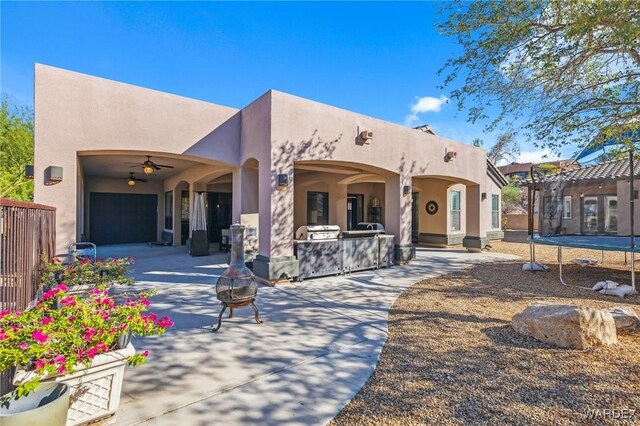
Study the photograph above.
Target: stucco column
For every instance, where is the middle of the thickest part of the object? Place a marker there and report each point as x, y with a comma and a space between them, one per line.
177, 216
245, 192
476, 238
397, 215
276, 260
341, 206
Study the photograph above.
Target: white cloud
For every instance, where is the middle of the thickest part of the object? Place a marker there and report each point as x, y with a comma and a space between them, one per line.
422, 105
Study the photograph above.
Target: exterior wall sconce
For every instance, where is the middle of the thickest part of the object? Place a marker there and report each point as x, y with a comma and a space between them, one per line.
283, 181
450, 155
483, 196
52, 175
366, 135
406, 190
28, 171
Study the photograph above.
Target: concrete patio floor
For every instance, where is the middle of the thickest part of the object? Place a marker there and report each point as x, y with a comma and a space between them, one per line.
319, 343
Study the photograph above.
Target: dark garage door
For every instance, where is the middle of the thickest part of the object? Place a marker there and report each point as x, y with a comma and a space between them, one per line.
123, 218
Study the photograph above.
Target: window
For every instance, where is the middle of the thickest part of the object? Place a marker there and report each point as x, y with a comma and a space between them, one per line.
168, 210
567, 207
455, 210
317, 208
590, 214
610, 213
495, 211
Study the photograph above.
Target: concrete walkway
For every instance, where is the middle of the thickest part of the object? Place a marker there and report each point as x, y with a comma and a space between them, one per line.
320, 341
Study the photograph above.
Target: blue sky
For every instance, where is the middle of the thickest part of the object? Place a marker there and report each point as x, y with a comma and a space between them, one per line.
378, 59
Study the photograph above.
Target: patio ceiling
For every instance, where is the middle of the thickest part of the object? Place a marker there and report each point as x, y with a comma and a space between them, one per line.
116, 167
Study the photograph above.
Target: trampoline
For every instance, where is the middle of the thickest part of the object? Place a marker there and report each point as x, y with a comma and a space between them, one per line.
588, 208
593, 242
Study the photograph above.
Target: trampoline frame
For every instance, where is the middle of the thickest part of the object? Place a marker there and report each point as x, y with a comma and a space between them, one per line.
541, 240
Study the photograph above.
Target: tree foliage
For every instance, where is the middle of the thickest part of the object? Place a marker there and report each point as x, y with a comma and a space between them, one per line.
563, 71
16, 151
514, 199
506, 148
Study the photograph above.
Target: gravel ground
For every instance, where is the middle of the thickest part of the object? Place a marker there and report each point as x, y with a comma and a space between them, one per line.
451, 357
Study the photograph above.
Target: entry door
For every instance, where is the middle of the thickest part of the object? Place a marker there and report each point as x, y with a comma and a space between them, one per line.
219, 214
355, 210
123, 218
415, 216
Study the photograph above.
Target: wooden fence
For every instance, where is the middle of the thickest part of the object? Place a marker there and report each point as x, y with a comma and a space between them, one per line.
27, 233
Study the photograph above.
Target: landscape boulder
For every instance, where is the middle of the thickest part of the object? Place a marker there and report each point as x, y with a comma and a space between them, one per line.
566, 326
626, 319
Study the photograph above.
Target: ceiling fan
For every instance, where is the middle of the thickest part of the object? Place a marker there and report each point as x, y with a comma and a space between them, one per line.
131, 180
149, 166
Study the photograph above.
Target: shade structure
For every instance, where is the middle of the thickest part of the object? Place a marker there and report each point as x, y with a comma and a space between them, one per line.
198, 214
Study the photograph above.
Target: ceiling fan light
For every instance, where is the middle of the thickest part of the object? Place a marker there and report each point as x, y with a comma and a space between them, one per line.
131, 182
147, 170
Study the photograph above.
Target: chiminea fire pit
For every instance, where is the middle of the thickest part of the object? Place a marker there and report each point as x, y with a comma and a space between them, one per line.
237, 286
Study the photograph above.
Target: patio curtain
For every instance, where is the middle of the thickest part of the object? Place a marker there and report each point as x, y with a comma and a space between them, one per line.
199, 214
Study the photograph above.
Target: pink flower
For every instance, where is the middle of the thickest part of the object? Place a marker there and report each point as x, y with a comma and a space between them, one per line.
46, 320
165, 322
48, 295
94, 291
101, 347
3, 335
62, 369
145, 302
60, 359
39, 336
4, 313
79, 353
68, 301
91, 353
89, 334
23, 346
40, 364
62, 287
145, 353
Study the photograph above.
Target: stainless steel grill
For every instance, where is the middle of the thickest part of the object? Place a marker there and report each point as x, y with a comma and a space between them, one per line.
318, 233
237, 286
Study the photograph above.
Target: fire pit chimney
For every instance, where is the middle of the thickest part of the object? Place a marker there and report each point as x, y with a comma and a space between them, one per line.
237, 286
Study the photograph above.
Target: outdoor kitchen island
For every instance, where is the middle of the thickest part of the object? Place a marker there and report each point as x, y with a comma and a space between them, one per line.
324, 250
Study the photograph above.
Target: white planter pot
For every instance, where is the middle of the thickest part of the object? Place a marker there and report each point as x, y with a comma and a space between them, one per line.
50, 401
95, 390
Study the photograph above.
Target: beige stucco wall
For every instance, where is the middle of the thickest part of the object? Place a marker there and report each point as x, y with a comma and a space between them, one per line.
79, 115
337, 192
76, 112
307, 130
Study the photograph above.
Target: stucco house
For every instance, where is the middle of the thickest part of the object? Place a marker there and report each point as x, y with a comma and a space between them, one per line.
592, 200
286, 160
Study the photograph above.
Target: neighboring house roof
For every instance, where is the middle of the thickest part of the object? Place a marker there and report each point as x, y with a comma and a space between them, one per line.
615, 169
495, 175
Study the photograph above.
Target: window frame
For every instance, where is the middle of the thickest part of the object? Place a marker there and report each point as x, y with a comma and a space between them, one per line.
168, 210
564, 211
495, 224
452, 212
325, 207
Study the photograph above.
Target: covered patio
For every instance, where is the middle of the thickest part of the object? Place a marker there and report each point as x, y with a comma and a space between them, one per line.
320, 341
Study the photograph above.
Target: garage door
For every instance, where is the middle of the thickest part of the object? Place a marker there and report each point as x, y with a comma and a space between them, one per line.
123, 218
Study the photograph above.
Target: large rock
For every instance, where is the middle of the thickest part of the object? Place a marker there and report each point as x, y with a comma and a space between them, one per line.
626, 319
566, 326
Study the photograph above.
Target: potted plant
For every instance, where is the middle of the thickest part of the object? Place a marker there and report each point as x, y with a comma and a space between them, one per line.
82, 275
77, 341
